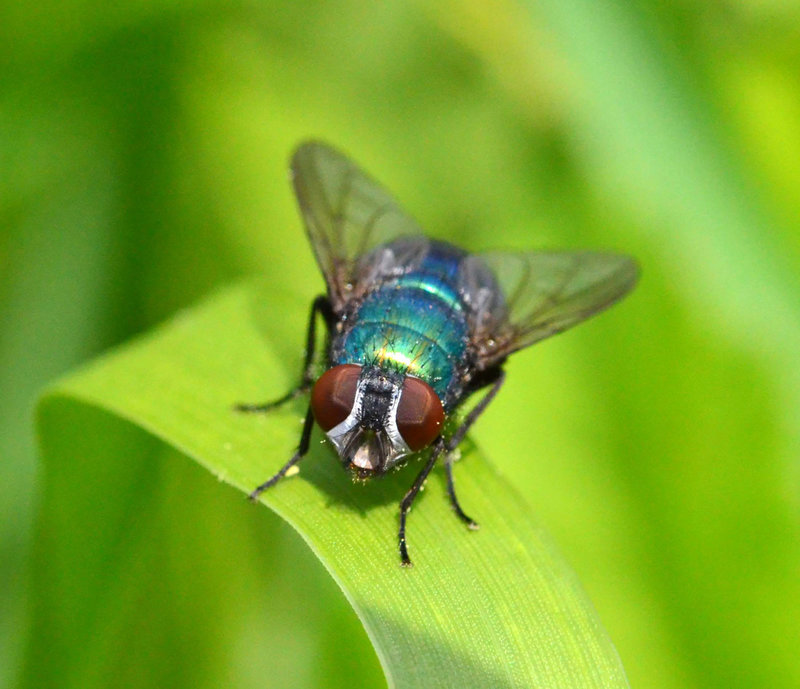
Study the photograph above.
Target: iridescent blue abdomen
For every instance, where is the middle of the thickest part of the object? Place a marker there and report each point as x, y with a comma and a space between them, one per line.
415, 324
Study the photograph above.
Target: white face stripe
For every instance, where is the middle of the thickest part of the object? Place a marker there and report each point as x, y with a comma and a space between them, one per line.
337, 433
400, 445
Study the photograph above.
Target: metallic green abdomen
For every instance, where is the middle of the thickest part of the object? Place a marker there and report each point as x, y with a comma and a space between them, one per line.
414, 324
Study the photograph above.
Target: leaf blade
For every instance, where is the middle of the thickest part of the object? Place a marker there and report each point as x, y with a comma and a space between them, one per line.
494, 608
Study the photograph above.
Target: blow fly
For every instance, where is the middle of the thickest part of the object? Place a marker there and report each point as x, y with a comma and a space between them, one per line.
415, 326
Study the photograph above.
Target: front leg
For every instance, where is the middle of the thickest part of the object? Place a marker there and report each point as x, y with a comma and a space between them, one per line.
321, 305
405, 505
302, 451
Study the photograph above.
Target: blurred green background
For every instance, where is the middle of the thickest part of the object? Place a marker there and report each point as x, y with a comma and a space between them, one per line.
143, 151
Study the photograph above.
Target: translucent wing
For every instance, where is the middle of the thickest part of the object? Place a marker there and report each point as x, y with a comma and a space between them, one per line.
538, 294
347, 214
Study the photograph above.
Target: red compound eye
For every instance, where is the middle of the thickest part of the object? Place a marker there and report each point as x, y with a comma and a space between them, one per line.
420, 414
333, 395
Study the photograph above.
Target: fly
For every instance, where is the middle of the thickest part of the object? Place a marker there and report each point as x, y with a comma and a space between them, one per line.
416, 326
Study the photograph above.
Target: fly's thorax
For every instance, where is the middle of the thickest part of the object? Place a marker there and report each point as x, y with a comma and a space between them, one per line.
390, 416
412, 326
380, 393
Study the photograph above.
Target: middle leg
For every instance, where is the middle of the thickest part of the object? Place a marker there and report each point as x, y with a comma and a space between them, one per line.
321, 305
455, 440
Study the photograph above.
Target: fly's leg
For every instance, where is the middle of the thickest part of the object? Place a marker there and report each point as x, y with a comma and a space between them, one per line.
496, 381
405, 505
451, 491
260, 408
305, 442
322, 306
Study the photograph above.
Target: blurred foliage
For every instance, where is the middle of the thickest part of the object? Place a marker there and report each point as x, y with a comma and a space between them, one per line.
143, 149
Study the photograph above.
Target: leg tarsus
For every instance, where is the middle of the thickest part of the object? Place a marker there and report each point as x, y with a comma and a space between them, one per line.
451, 491
269, 406
274, 479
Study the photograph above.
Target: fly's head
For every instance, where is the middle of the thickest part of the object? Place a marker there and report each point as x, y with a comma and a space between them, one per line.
375, 417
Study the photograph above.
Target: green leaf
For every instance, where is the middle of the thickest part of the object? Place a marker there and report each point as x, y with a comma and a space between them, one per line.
497, 607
